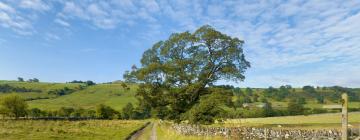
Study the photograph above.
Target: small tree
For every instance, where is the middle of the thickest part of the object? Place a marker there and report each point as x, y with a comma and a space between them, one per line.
105, 112
268, 110
35, 80
208, 109
65, 111
249, 91
14, 106
128, 111
89, 83
35, 112
20, 79
295, 107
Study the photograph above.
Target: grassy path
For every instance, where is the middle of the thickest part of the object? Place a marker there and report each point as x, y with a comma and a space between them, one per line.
141, 134
153, 132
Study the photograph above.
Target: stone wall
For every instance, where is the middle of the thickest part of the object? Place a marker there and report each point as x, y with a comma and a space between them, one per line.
259, 133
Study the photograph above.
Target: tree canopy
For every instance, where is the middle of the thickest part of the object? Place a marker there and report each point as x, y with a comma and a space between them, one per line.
174, 73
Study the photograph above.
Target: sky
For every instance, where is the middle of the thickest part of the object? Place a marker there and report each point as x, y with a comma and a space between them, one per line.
295, 42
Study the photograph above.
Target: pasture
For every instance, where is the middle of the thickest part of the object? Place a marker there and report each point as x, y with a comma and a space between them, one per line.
318, 121
87, 129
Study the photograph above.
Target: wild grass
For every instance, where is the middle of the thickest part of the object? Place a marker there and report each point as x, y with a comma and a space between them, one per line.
321, 121
89, 129
109, 94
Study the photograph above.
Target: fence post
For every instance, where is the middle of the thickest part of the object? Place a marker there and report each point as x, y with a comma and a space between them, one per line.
344, 117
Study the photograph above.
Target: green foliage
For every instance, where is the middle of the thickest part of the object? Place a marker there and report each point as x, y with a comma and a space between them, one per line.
295, 107
35, 80
128, 111
208, 110
20, 79
6, 88
248, 91
61, 92
268, 110
89, 83
176, 72
105, 112
35, 112
13, 105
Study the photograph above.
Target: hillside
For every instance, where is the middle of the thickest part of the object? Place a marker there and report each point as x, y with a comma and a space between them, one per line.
115, 96
109, 94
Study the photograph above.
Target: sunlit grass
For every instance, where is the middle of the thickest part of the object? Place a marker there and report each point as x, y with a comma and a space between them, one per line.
89, 129
331, 120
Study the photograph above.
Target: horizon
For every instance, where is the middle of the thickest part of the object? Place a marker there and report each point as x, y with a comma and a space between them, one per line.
293, 43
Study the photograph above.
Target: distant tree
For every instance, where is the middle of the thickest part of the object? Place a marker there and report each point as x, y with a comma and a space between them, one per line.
35, 80
35, 112
270, 92
105, 112
255, 97
249, 91
13, 105
61, 92
20, 79
89, 83
268, 110
309, 90
283, 92
301, 100
247, 99
295, 107
78, 112
65, 111
128, 111
320, 99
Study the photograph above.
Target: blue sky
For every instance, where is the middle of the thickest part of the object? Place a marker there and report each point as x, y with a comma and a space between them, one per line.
287, 42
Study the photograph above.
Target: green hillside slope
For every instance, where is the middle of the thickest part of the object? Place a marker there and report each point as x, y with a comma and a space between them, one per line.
113, 95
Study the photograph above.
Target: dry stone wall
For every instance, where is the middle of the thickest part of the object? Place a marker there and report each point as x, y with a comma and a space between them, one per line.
259, 133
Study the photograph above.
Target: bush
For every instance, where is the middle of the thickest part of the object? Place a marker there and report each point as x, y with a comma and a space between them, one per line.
14, 106
207, 110
105, 112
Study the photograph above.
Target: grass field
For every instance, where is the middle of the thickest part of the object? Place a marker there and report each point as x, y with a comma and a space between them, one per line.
321, 121
113, 95
90, 129
109, 94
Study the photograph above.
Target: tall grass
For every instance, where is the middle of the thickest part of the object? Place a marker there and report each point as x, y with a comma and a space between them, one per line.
90, 129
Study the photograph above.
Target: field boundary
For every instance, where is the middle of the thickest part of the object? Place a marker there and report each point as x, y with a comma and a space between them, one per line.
136, 131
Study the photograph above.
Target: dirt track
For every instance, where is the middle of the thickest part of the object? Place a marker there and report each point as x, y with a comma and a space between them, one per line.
139, 133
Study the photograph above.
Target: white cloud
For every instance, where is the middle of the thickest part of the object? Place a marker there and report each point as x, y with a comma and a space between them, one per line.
62, 22
51, 36
6, 8
10, 19
278, 34
37, 5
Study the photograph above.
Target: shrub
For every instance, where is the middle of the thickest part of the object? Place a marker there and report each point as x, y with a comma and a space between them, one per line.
13, 105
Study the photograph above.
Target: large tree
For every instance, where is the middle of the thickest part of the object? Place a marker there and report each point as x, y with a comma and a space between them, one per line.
176, 72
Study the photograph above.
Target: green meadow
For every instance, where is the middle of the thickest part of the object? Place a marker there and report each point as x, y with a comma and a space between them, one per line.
79, 130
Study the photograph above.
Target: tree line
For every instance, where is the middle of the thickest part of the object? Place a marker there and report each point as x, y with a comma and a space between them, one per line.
6, 88
14, 106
